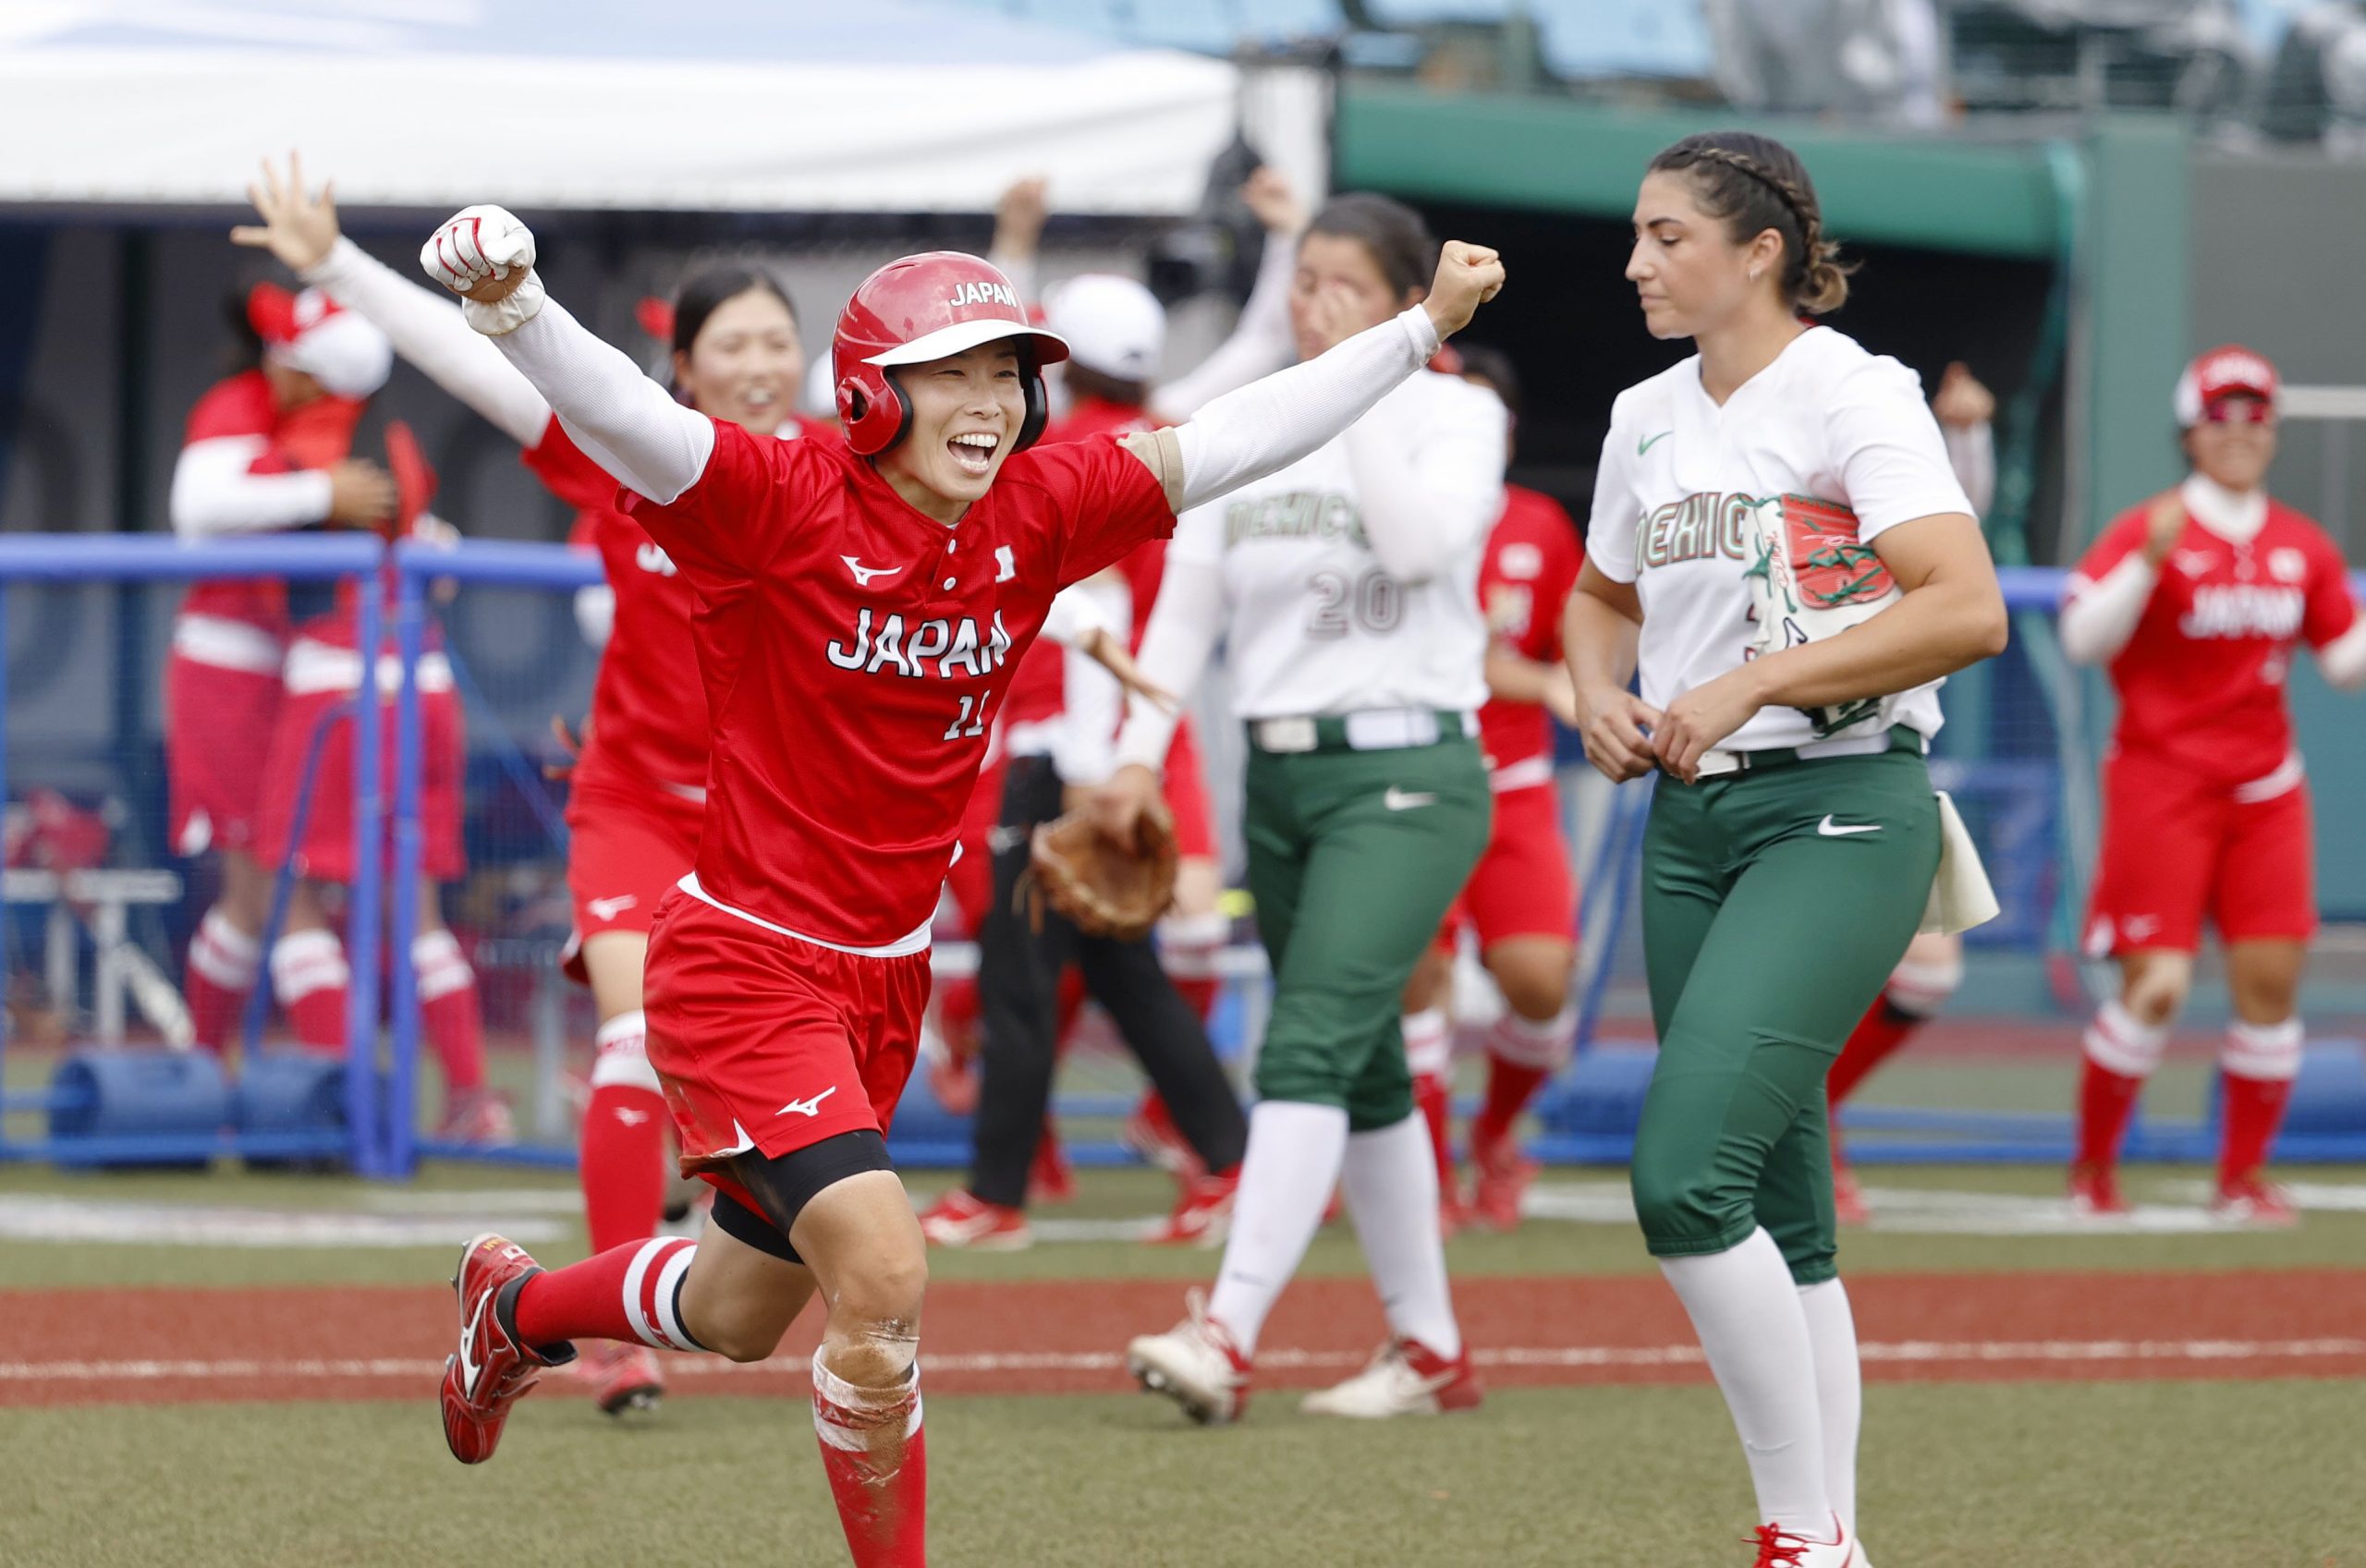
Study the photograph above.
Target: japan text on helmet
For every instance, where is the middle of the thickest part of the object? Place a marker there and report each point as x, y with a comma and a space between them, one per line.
309, 332
2227, 370
930, 307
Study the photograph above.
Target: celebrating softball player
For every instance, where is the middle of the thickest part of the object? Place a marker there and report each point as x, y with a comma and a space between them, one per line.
1345, 587
1779, 546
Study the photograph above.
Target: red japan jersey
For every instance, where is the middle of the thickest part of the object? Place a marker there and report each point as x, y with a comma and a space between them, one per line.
1524, 579
312, 435
1038, 690
2201, 681
649, 721
855, 651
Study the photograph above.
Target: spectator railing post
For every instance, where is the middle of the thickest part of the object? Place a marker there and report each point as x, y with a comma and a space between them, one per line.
410, 618
365, 914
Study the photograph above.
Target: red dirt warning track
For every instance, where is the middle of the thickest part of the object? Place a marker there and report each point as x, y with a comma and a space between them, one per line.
157, 1346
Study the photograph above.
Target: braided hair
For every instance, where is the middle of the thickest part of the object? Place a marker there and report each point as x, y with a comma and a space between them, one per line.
1755, 183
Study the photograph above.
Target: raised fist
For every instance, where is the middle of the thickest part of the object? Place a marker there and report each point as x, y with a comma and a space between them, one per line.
1469, 276
486, 256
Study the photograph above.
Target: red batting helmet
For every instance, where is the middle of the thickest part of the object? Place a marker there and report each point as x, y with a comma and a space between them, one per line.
921, 307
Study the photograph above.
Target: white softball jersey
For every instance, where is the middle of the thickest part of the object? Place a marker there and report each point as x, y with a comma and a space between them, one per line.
1827, 424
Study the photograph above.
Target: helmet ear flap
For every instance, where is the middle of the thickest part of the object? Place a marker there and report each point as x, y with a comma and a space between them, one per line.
873, 409
1038, 407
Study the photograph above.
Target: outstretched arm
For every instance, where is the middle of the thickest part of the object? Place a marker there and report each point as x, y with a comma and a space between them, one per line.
300, 226
1269, 424
1260, 342
622, 421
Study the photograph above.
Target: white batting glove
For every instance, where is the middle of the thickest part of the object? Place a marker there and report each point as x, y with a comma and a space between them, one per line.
486, 256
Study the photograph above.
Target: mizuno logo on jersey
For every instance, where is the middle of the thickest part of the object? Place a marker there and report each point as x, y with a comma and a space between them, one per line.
2224, 610
982, 293
1302, 513
862, 573
648, 557
954, 645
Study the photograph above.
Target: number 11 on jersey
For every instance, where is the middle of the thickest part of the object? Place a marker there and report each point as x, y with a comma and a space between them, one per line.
970, 723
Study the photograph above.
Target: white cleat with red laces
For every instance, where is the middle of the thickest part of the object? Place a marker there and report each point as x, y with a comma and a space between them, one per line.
1781, 1548
1195, 1364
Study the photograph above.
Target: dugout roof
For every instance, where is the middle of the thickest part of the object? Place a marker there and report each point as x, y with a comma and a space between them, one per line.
716, 106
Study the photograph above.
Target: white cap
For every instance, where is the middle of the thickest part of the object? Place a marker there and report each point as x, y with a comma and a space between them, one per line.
345, 353
1113, 324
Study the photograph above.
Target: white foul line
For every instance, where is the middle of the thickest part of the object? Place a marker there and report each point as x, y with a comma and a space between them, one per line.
1926, 1353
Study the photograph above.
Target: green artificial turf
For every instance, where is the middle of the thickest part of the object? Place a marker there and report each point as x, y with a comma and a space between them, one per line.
2091, 1475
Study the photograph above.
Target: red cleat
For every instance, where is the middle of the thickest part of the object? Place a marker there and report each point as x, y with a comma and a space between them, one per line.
2095, 1192
476, 1116
959, 1219
624, 1377
1203, 1216
2254, 1201
1504, 1176
486, 1376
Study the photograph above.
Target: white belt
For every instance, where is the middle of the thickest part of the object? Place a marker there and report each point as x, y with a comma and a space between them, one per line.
1368, 729
916, 940
2286, 777
1526, 773
1716, 762
314, 666
227, 644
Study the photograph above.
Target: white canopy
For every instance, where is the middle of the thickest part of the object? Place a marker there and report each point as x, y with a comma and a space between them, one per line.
753, 106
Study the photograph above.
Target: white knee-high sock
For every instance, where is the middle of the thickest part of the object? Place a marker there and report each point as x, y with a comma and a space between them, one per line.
1839, 1392
1391, 1179
1286, 1180
1746, 1309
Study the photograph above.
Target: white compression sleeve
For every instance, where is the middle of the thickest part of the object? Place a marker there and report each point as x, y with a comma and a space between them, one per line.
1182, 634
1971, 452
1428, 489
1077, 611
1270, 424
1091, 699
427, 329
214, 493
1259, 345
622, 421
2100, 617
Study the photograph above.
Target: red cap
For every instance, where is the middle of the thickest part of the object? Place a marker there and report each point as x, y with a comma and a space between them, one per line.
2227, 370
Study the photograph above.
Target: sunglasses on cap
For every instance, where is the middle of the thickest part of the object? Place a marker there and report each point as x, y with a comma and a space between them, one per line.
2238, 408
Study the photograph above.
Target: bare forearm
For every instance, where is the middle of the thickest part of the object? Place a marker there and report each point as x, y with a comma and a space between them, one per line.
1514, 677
1598, 644
1933, 631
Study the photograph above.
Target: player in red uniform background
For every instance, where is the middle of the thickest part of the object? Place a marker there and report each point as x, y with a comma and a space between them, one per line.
862, 601
267, 450
2197, 599
1521, 899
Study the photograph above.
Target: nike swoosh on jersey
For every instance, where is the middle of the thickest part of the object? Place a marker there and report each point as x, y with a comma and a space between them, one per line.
1651, 440
1829, 829
1406, 800
608, 909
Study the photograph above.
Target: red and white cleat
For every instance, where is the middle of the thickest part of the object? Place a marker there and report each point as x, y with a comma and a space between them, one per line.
1203, 1216
1781, 1548
624, 1377
1151, 1132
1405, 1379
486, 1376
476, 1116
1454, 1215
1504, 1176
2094, 1193
959, 1219
1195, 1364
2256, 1202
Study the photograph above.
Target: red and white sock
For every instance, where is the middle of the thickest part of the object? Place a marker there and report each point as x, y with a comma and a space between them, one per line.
2120, 1054
308, 972
447, 1008
1429, 1053
1188, 946
622, 1160
223, 965
1914, 994
2257, 1066
1521, 1054
876, 1457
630, 1293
